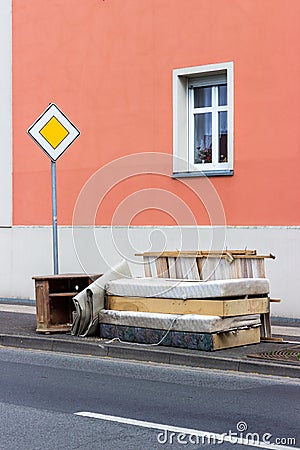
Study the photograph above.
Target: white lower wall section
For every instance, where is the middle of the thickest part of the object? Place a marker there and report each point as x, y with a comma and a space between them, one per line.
27, 251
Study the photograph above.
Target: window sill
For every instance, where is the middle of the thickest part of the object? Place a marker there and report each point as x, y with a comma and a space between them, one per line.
203, 173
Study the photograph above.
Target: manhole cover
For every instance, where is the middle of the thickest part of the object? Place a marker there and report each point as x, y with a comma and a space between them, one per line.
287, 354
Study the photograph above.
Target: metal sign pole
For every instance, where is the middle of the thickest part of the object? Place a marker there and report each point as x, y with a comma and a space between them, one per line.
54, 217
54, 133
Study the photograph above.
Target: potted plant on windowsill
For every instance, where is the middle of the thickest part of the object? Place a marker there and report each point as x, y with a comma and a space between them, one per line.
204, 155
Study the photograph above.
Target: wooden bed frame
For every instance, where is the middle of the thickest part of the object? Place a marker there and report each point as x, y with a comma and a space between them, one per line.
209, 265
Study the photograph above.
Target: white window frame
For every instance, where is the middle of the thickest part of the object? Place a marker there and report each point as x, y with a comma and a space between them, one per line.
183, 126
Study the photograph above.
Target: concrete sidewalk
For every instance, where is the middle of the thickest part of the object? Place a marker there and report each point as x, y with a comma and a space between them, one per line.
17, 329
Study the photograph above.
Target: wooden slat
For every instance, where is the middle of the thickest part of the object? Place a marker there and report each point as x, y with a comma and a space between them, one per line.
251, 306
178, 266
199, 265
229, 256
271, 339
223, 270
249, 268
232, 252
244, 268
235, 269
147, 266
152, 262
172, 267
158, 264
258, 267
270, 256
223, 308
194, 273
162, 267
208, 253
171, 254
209, 268
236, 339
261, 265
265, 328
189, 269
165, 268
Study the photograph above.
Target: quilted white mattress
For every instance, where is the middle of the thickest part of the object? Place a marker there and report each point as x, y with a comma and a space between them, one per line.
183, 289
187, 322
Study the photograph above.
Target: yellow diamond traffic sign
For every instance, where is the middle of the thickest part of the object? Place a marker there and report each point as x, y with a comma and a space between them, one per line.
53, 132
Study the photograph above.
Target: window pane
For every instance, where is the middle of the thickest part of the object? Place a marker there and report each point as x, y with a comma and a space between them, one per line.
223, 132
222, 95
202, 97
202, 138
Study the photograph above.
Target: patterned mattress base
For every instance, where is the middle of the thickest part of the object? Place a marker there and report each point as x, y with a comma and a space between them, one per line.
193, 341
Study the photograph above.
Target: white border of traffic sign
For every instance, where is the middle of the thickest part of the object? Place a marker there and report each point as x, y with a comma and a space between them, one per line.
36, 127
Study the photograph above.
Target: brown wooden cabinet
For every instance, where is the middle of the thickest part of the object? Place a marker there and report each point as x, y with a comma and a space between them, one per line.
54, 304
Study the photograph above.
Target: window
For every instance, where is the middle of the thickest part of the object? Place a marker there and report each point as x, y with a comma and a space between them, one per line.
203, 120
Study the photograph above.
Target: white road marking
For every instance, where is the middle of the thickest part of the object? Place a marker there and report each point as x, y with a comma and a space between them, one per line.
18, 309
186, 431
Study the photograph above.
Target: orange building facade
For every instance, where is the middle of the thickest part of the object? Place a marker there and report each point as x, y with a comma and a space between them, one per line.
189, 114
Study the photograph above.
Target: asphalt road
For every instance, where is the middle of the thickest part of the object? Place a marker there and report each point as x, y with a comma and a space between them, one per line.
42, 393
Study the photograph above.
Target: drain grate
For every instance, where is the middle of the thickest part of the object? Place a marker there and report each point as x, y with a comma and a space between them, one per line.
287, 354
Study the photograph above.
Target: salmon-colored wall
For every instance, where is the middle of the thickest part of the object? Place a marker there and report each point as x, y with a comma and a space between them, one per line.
108, 65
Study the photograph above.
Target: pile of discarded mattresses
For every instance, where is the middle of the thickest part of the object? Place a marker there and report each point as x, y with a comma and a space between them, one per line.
186, 313
209, 315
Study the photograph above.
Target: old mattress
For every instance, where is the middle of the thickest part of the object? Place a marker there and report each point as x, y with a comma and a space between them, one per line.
187, 289
177, 322
182, 339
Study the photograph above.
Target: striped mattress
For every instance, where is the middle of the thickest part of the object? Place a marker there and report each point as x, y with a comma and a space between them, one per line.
187, 289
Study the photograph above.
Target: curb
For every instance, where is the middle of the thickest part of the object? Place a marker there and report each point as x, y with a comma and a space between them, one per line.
151, 355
